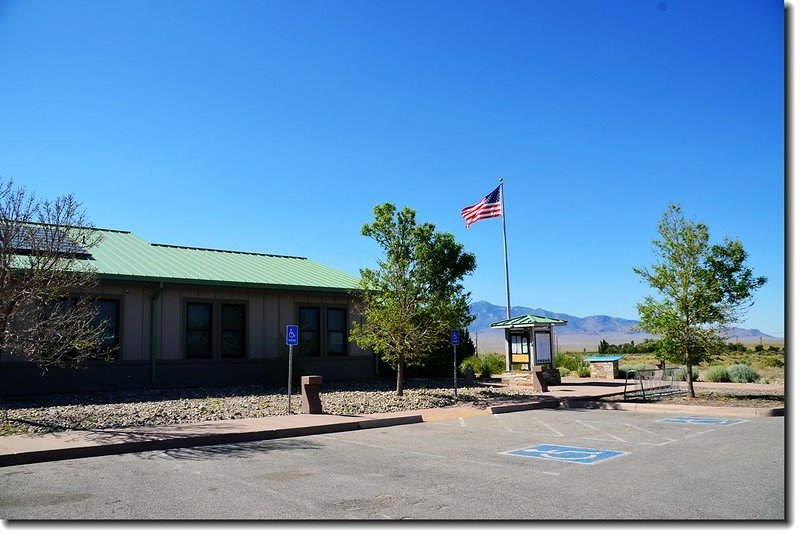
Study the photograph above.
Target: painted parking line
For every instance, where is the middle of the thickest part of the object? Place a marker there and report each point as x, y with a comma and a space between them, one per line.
497, 417
569, 454
551, 431
609, 435
700, 420
604, 431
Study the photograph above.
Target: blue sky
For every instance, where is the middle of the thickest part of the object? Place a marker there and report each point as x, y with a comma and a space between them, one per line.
276, 126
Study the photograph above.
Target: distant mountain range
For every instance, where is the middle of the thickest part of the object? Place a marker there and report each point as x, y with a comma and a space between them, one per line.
486, 313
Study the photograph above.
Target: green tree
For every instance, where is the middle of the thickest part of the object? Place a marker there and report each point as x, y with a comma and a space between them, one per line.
414, 297
703, 290
439, 363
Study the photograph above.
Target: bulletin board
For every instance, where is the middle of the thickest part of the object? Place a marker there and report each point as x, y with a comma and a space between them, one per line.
544, 352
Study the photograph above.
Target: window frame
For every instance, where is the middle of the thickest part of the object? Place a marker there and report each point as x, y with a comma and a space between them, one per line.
343, 332
117, 334
117, 330
318, 352
323, 330
242, 332
187, 331
216, 329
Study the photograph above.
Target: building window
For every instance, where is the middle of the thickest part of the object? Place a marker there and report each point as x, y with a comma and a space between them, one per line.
314, 341
233, 338
108, 312
198, 330
309, 331
520, 344
216, 330
336, 335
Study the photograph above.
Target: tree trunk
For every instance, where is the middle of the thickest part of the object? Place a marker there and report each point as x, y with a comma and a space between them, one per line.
688, 353
689, 377
400, 365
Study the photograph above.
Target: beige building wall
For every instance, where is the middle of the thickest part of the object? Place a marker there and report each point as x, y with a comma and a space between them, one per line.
268, 313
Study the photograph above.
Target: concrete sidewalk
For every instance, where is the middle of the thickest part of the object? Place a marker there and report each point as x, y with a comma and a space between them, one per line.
571, 394
25, 449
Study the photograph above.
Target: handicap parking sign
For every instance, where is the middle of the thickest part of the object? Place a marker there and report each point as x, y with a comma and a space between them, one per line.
570, 454
291, 335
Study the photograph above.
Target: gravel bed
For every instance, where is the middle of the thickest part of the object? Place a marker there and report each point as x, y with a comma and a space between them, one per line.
105, 410
729, 399
721, 395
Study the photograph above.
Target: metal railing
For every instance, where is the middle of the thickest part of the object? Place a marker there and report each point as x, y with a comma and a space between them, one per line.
652, 383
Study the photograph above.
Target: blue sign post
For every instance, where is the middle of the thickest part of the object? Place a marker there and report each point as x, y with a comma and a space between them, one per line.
292, 334
454, 339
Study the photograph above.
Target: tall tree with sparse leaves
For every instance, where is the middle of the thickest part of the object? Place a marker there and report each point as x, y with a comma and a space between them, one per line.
47, 312
415, 296
703, 290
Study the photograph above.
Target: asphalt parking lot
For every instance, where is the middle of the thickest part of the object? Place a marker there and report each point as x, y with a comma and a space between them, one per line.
542, 464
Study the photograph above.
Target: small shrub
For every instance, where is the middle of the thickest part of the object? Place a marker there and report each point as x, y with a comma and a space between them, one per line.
774, 362
571, 362
741, 373
680, 374
717, 374
735, 347
622, 371
584, 372
484, 365
564, 371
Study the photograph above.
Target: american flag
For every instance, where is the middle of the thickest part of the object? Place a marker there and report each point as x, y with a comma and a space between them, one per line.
487, 207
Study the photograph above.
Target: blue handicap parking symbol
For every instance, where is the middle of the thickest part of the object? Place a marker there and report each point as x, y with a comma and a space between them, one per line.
291, 335
701, 420
454, 337
570, 454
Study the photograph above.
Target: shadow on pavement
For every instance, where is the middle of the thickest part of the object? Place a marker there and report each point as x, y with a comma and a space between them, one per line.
241, 450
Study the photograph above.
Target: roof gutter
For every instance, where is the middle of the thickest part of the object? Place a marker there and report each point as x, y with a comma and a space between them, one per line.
153, 332
230, 284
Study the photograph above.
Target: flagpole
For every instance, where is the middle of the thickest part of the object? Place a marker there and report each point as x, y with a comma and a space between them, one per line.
505, 247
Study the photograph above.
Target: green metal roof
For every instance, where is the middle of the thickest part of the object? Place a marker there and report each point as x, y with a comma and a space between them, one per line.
122, 255
526, 320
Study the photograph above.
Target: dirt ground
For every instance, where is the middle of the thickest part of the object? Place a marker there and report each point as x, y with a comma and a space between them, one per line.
726, 395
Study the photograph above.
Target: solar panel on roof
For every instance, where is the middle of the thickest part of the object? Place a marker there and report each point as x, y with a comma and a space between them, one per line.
31, 239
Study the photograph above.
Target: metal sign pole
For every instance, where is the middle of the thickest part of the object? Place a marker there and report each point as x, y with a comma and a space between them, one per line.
455, 375
289, 385
454, 339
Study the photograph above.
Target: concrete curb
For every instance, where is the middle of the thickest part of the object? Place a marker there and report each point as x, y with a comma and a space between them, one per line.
546, 404
391, 420
25, 449
753, 412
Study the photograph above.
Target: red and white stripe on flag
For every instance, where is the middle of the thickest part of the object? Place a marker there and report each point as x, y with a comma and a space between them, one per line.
486, 208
